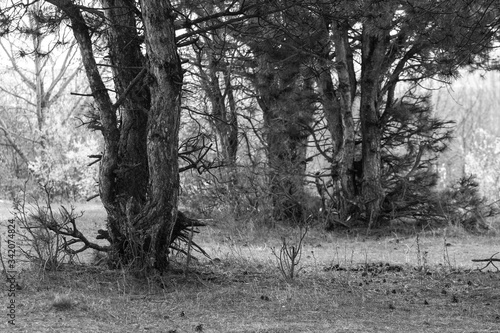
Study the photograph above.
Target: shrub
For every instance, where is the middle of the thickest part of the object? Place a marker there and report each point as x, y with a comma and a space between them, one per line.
37, 226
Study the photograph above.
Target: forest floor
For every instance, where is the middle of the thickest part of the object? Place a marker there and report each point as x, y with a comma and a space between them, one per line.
347, 282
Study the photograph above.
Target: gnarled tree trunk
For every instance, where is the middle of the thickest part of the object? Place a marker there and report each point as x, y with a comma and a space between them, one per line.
138, 175
158, 217
130, 174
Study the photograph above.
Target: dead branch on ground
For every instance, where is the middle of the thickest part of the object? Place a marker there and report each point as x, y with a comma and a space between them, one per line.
489, 261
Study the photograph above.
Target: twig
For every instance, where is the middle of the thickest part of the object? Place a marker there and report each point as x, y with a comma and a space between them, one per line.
289, 257
123, 96
98, 158
92, 197
490, 261
1, 260
189, 244
81, 94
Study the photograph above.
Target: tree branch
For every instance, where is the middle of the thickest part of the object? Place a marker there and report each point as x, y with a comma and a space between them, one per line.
64, 230
16, 68
489, 260
11, 142
132, 84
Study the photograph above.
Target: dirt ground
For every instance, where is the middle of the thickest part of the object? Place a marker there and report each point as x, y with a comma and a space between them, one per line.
346, 283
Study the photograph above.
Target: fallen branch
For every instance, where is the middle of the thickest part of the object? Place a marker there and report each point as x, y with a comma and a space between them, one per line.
64, 228
490, 261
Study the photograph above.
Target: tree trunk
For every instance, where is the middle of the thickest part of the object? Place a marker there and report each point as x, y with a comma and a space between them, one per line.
138, 175
158, 217
337, 107
127, 60
374, 41
41, 98
285, 126
286, 157
107, 114
231, 120
131, 169
346, 92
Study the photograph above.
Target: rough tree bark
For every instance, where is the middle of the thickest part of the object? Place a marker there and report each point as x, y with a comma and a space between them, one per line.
159, 216
375, 40
127, 62
346, 95
337, 107
138, 176
130, 172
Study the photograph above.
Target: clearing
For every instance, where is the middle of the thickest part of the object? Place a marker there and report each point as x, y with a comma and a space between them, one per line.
347, 283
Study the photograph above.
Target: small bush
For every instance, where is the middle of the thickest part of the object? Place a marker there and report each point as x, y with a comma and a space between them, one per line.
37, 226
289, 255
462, 205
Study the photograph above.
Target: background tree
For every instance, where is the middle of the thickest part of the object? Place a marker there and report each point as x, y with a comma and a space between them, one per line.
231, 52
215, 75
283, 89
470, 101
40, 68
394, 42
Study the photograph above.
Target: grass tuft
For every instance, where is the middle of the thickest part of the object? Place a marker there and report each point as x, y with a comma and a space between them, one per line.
63, 303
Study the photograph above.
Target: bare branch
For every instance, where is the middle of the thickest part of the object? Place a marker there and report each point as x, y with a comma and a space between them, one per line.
81, 94
64, 67
132, 84
73, 231
17, 96
92, 197
11, 142
16, 68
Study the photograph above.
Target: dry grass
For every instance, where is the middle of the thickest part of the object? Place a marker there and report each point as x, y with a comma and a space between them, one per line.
435, 287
